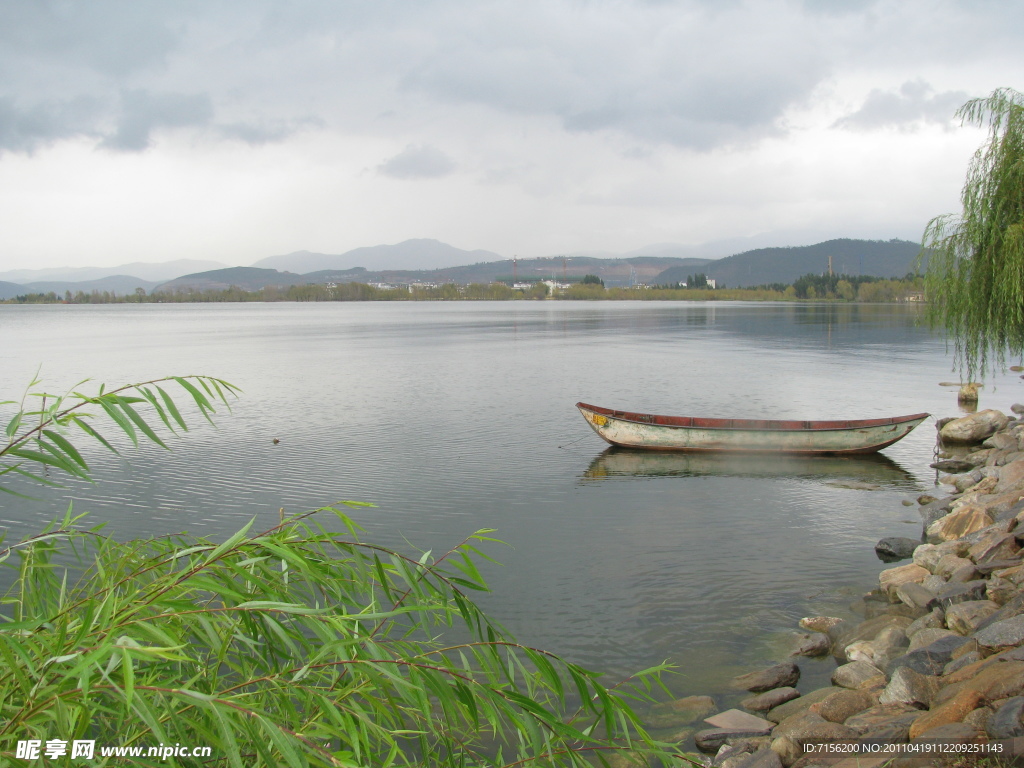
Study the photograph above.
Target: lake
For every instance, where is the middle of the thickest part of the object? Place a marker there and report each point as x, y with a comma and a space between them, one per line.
452, 417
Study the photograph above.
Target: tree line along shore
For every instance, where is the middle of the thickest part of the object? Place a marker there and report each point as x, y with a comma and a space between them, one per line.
840, 288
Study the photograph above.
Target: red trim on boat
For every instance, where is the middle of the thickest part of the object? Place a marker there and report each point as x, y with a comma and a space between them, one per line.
748, 424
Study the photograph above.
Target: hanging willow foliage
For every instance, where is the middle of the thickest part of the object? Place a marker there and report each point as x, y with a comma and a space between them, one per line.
975, 275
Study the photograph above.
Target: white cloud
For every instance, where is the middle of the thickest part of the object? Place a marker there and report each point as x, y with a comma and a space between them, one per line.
417, 162
913, 104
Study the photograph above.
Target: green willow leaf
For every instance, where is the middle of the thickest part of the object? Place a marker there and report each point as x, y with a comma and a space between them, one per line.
974, 275
297, 645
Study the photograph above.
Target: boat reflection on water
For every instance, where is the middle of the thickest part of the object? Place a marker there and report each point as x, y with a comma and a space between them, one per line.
868, 470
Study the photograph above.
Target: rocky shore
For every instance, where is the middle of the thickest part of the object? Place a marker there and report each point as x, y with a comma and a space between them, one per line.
939, 656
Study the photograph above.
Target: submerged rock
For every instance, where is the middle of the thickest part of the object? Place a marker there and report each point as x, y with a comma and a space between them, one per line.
773, 698
893, 548
950, 465
855, 485
778, 676
815, 644
690, 709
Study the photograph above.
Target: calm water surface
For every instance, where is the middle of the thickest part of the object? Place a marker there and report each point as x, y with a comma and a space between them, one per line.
455, 417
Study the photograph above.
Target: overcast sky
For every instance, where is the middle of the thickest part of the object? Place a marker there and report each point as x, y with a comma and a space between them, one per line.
239, 129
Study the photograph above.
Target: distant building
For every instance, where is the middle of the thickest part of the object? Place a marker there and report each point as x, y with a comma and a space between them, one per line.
711, 284
554, 286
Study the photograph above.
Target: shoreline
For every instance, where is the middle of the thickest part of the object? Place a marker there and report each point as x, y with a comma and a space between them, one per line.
937, 661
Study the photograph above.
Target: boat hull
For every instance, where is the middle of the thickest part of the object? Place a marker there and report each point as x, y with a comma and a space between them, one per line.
682, 433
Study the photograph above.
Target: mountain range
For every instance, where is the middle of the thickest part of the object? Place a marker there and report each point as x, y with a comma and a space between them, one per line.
431, 261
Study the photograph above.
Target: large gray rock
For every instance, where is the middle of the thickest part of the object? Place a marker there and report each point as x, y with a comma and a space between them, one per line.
736, 719
777, 676
910, 687
916, 596
931, 659
933, 620
974, 427
891, 578
961, 592
883, 717
960, 662
868, 630
935, 510
965, 618
1005, 722
844, 704
1003, 634
949, 564
1000, 591
857, 675
995, 548
965, 574
1012, 607
964, 521
1001, 441
926, 637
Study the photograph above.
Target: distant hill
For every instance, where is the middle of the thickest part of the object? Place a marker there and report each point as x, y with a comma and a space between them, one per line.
892, 258
396, 264
410, 254
615, 271
119, 284
765, 265
246, 278
10, 290
167, 270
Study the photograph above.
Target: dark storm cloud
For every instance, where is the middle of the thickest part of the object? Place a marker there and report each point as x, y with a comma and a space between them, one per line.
142, 112
691, 73
25, 129
683, 73
418, 163
113, 38
915, 102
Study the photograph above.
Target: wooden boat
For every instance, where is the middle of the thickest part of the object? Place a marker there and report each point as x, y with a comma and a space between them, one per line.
687, 433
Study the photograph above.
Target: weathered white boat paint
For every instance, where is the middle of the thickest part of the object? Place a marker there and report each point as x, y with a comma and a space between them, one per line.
684, 433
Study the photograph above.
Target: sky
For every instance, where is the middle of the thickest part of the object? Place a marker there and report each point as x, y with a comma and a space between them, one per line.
233, 130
